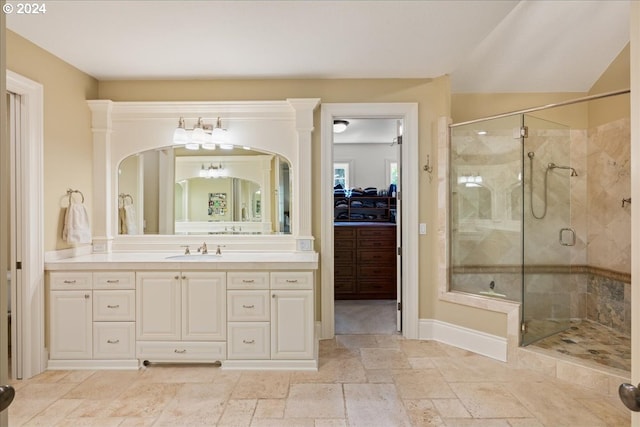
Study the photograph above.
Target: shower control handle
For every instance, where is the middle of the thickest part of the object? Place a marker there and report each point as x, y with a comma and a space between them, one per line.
572, 236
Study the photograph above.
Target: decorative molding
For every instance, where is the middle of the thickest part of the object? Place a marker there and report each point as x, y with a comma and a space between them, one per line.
52, 256
133, 364
468, 339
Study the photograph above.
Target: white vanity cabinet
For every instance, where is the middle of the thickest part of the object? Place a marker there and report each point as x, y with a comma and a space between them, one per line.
270, 317
91, 319
181, 316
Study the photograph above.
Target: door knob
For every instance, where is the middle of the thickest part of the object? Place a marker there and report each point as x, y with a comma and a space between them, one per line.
630, 396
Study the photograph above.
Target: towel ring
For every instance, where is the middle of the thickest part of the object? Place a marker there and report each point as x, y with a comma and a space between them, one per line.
123, 197
70, 193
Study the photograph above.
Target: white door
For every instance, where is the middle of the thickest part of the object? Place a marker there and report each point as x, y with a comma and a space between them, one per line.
398, 216
292, 324
158, 306
71, 325
204, 306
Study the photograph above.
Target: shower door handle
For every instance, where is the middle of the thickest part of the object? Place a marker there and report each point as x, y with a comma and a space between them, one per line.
567, 236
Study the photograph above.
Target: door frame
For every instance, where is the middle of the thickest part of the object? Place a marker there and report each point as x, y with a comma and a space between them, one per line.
32, 310
408, 112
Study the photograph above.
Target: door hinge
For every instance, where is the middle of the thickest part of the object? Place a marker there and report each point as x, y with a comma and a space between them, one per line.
399, 139
18, 265
524, 131
523, 327
399, 250
399, 306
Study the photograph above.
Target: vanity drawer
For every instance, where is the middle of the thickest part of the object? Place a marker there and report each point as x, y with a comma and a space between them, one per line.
116, 305
243, 305
114, 280
114, 340
70, 280
248, 280
175, 351
249, 340
292, 280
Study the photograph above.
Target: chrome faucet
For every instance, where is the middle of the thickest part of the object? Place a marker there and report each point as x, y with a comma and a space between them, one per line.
218, 251
186, 249
203, 248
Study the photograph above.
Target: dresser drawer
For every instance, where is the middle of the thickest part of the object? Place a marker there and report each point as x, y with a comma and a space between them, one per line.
376, 272
114, 340
115, 305
70, 280
344, 232
248, 280
249, 340
175, 351
292, 280
114, 280
386, 232
244, 305
377, 257
344, 271
376, 243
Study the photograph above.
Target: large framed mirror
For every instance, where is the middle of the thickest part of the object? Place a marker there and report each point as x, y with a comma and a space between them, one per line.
236, 191
250, 199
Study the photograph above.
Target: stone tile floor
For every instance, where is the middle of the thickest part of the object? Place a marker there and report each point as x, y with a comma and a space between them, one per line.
591, 343
363, 380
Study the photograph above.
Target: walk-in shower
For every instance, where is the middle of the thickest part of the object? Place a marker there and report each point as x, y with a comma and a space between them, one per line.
535, 217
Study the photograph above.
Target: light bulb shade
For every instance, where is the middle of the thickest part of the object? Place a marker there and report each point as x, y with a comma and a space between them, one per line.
198, 135
340, 126
208, 145
219, 136
180, 136
192, 145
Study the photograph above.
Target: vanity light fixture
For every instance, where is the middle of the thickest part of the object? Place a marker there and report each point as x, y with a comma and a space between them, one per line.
211, 171
340, 126
202, 134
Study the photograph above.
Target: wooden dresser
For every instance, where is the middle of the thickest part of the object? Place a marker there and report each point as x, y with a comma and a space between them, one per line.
365, 261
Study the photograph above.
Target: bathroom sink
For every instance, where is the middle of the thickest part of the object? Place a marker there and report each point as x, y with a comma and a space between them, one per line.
195, 257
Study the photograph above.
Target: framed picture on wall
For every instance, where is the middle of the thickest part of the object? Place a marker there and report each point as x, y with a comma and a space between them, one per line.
217, 204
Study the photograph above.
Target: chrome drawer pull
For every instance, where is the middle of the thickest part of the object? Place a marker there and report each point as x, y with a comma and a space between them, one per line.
87, 296
180, 351
249, 341
248, 306
113, 306
248, 280
69, 282
113, 281
113, 341
292, 280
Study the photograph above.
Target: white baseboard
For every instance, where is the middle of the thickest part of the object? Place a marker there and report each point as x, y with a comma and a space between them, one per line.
468, 339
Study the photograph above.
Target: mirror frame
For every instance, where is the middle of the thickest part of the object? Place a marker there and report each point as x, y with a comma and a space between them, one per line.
121, 129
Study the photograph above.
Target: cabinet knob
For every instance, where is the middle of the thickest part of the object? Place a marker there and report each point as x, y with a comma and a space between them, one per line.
113, 341
248, 280
69, 282
292, 280
113, 306
249, 341
247, 306
177, 277
87, 296
113, 281
273, 295
184, 277
180, 351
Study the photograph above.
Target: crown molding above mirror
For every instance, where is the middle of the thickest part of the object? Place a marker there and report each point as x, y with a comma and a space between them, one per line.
121, 129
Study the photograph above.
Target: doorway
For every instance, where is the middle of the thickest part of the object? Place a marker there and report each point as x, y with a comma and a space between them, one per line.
406, 244
366, 161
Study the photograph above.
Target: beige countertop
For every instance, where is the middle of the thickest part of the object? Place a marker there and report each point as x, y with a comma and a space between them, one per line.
230, 260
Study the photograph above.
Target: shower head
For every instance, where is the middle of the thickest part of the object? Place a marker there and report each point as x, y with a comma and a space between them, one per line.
531, 154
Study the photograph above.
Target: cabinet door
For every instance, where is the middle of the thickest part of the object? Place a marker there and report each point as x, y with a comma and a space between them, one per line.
158, 306
292, 324
71, 325
204, 306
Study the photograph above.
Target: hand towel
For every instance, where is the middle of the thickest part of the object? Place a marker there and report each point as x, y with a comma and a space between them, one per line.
76, 224
121, 220
130, 219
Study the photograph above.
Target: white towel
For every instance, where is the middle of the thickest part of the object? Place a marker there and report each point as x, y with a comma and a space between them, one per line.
130, 219
76, 224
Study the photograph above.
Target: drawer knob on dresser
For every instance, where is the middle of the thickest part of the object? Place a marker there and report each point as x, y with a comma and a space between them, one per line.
113, 306
113, 341
292, 280
113, 281
180, 351
69, 282
248, 280
249, 341
87, 296
247, 306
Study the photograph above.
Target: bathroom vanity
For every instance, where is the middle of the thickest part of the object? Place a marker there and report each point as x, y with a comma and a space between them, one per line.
245, 310
138, 297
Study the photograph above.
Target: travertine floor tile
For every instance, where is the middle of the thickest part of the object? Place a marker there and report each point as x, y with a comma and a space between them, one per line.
384, 358
344, 370
196, 413
423, 384
489, 400
315, 401
451, 408
423, 413
238, 413
261, 385
371, 405
270, 408
103, 385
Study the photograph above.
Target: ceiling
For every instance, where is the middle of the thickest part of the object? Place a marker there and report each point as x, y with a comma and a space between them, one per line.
486, 46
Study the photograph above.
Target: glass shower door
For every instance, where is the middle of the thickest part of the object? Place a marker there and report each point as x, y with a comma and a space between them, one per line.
547, 234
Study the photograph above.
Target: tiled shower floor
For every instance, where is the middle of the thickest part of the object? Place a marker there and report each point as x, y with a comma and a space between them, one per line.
591, 342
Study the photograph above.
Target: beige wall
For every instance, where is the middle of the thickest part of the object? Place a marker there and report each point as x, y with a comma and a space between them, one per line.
67, 128
616, 77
